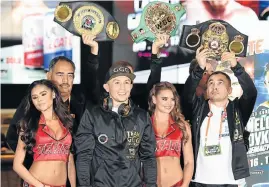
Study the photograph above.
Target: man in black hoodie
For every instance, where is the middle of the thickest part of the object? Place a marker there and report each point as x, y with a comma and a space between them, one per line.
218, 124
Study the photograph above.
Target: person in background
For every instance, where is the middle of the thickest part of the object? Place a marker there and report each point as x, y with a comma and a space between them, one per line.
230, 11
172, 134
45, 132
61, 73
218, 124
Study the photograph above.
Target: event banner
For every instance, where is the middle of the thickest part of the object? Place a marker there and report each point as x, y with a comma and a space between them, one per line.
42, 40
258, 125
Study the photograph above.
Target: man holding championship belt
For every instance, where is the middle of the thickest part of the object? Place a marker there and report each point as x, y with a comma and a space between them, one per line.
216, 37
87, 18
158, 18
218, 124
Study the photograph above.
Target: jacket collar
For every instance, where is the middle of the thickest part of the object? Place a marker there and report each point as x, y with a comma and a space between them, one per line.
171, 127
230, 116
48, 131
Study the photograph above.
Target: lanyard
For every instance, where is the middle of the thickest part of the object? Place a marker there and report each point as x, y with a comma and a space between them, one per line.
223, 116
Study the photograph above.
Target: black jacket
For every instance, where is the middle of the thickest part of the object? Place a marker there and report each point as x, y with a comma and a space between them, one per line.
238, 114
78, 102
110, 149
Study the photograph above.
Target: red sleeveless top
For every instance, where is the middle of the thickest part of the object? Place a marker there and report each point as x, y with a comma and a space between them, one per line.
170, 144
47, 148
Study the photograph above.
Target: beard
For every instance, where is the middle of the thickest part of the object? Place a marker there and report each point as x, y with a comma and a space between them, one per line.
219, 4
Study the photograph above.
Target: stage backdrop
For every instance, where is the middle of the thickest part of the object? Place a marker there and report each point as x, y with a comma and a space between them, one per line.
176, 64
258, 125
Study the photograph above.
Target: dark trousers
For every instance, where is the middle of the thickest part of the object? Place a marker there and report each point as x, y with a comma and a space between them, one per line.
195, 184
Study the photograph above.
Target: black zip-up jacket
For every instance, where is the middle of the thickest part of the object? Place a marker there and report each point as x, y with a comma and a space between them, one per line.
110, 149
238, 114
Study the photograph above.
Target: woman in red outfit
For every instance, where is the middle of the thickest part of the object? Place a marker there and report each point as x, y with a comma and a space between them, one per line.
45, 132
172, 134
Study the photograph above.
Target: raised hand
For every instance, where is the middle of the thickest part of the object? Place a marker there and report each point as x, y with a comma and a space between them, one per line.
160, 41
229, 57
201, 56
89, 40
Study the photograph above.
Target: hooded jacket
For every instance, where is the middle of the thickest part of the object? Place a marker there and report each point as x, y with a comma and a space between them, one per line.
238, 114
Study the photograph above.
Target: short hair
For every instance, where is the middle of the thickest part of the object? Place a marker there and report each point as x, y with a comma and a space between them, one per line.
123, 63
222, 73
229, 71
55, 60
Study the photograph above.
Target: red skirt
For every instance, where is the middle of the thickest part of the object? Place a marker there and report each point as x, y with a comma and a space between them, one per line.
178, 184
25, 184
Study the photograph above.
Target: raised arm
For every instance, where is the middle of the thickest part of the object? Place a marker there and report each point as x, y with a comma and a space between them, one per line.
248, 99
156, 62
89, 70
155, 69
190, 98
147, 155
84, 146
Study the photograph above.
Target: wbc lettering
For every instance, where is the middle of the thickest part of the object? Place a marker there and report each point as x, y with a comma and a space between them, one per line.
163, 23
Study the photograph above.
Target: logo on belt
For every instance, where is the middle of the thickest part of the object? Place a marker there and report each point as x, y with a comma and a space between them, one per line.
158, 18
217, 36
88, 20
63, 13
83, 17
112, 30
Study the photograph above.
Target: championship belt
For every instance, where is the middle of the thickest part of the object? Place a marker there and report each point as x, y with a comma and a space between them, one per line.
158, 18
87, 18
217, 36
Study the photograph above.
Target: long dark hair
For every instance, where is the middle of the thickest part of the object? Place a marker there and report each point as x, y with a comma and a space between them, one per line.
28, 125
176, 114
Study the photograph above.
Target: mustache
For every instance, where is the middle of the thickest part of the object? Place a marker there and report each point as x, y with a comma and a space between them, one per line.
64, 84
